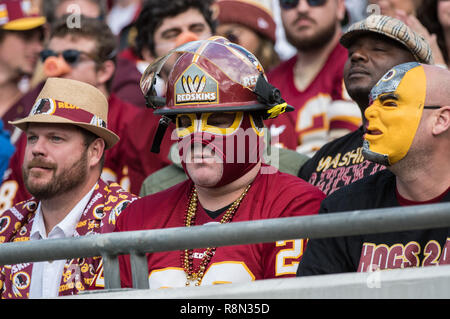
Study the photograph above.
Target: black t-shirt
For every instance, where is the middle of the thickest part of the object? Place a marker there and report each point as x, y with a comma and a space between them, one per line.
339, 163
364, 253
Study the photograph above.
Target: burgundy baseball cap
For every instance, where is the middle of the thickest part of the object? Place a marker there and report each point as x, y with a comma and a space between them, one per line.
16, 15
251, 13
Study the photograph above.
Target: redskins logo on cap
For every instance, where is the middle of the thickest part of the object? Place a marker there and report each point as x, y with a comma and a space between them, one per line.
3, 14
195, 86
43, 106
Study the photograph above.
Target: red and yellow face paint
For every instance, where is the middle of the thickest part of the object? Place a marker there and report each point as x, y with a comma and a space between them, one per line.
236, 138
393, 116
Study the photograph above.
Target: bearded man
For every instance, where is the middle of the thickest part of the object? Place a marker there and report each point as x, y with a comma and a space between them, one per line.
67, 136
312, 80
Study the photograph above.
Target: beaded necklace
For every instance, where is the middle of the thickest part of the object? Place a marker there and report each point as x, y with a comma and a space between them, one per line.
187, 256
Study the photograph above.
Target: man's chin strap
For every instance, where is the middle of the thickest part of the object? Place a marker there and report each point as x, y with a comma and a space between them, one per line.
374, 157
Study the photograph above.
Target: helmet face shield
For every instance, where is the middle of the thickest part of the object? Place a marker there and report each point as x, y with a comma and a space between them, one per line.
150, 75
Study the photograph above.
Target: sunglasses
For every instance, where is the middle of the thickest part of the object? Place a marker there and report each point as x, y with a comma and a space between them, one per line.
71, 56
291, 4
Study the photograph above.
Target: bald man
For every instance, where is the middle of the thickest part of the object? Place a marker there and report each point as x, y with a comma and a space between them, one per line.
408, 131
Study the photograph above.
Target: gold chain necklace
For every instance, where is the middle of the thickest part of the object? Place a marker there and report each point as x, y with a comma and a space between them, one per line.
187, 256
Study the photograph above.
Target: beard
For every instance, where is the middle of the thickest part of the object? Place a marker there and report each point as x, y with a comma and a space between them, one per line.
67, 180
311, 43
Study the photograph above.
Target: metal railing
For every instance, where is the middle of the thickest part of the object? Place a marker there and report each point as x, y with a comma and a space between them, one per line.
137, 243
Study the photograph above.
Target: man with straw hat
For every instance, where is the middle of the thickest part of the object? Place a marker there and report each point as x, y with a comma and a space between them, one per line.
67, 136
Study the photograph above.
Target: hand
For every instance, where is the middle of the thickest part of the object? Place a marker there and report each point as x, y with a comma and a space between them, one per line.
414, 23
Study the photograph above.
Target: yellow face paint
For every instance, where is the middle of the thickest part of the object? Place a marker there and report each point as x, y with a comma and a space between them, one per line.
394, 116
221, 123
225, 123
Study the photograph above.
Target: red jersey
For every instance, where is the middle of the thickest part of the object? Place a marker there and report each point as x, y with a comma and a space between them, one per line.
270, 196
323, 106
13, 191
120, 114
126, 81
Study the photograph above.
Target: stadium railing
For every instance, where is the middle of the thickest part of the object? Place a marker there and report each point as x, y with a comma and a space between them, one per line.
138, 243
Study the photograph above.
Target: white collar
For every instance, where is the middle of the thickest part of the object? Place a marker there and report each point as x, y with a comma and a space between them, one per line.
66, 227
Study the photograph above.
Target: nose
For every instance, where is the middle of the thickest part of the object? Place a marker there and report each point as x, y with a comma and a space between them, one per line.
371, 111
358, 55
37, 147
56, 66
302, 6
184, 37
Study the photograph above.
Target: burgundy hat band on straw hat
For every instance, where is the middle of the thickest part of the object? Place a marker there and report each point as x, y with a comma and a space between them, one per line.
66, 110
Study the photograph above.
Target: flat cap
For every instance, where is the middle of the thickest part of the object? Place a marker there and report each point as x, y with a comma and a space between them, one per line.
394, 29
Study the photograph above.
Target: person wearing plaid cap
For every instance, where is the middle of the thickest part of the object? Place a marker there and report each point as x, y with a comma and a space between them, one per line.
375, 44
67, 136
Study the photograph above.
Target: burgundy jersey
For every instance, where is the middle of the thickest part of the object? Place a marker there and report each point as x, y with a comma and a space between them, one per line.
13, 191
322, 107
270, 196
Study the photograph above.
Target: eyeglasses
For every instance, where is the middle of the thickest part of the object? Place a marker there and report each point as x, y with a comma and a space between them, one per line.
290, 4
432, 107
71, 56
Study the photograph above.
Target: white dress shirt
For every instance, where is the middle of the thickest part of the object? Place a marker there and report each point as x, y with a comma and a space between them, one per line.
46, 275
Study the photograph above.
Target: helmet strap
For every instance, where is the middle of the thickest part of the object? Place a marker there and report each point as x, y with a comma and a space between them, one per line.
164, 122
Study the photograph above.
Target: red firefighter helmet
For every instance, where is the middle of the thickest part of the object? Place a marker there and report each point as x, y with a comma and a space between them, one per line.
213, 75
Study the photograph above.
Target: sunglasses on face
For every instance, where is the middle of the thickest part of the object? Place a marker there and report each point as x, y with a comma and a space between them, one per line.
71, 56
290, 4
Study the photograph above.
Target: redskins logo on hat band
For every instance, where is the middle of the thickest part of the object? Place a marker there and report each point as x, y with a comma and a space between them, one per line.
66, 110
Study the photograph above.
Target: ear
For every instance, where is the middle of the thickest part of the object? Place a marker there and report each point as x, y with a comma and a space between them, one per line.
95, 152
340, 12
105, 72
441, 122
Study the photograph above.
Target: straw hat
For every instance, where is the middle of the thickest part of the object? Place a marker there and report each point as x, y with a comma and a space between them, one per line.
71, 102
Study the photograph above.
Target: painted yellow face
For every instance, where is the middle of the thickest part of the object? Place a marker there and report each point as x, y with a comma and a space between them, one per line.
223, 124
394, 115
